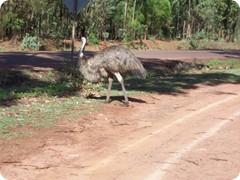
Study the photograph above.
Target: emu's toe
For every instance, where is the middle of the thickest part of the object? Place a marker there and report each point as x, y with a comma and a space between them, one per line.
107, 101
126, 103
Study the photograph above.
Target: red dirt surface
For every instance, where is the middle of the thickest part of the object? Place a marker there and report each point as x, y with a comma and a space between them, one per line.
192, 135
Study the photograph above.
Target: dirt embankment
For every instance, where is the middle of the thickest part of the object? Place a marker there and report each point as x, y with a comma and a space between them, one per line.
51, 45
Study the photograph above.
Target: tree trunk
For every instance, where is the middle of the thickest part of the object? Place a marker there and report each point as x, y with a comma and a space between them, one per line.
40, 24
134, 9
133, 18
237, 29
189, 20
184, 29
189, 31
146, 32
177, 30
125, 14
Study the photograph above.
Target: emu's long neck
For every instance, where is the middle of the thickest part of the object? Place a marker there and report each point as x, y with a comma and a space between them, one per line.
81, 52
84, 41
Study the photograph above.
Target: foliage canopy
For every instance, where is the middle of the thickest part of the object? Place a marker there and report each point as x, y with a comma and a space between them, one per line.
123, 19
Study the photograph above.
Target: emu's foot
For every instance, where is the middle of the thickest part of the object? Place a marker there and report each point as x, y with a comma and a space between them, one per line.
125, 104
107, 101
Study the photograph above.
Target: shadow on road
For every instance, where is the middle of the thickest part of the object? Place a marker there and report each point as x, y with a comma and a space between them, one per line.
173, 77
32, 60
230, 54
117, 98
13, 60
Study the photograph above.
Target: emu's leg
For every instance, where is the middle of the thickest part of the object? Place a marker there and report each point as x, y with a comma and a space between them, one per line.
120, 80
110, 81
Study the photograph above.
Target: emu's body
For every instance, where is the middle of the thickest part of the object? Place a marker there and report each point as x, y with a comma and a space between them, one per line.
110, 62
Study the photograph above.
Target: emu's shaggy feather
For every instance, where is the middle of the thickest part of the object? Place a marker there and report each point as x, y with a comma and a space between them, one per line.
112, 61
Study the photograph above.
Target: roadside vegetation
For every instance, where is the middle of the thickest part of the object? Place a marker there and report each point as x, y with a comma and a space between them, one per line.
42, 98
41, 25
39, 99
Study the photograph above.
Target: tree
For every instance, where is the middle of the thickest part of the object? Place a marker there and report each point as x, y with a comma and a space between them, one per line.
122, 19
157, 15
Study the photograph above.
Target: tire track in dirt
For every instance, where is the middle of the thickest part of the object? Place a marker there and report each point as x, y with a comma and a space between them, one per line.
134, 151
141, 141
160, 172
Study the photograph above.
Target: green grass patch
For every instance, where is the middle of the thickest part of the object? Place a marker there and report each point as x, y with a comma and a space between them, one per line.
223, 64
167, 78
178, 83
44, 112
16, 84
10, 134
41, 98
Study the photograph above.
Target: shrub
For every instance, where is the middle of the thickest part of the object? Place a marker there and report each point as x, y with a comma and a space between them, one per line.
198, 40
105, 35
93, 38
184, 44
121, 34
30, 42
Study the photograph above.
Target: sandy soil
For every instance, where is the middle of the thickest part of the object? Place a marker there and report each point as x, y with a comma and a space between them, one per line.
193, 135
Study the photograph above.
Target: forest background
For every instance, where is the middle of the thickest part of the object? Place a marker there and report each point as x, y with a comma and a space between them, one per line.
31, 22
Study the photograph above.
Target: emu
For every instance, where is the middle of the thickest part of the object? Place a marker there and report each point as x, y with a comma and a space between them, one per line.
112, 61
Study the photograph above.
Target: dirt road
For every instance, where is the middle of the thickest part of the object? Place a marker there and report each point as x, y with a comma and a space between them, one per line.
56, 59
193, 135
